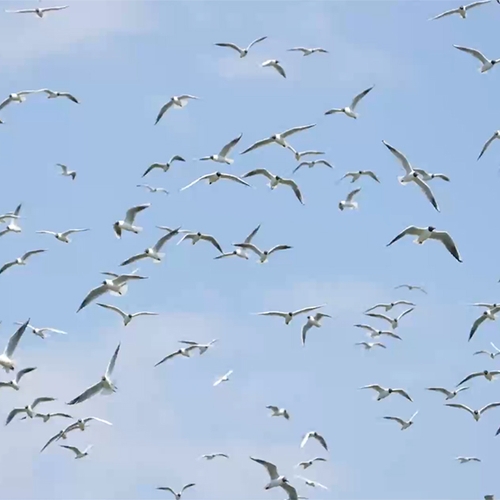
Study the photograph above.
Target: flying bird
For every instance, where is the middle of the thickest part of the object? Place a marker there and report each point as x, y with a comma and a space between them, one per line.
127, 317
275, 478
288, 316
449, 394
307, 52
487, 374
242, 52
239, 252
394, 322
374, 333
215, 177
152, 189
314, 435
488, 314
348, 202
276, 181
163, 166
76, 451
405, 424
274, 63
201, 347
104, 386
196, 237
315, 321
222, 157
486, 64
180, 352
224, 378
54, 94
6, 361
388, 306
211, 456
411, 288
350, 110
309, 463
496, 135
40, 12
384, 393
14, 384
312, 164
313, 484
178, 495
128, 223
360, 173
370, 345
466, 460
28, 409
276, 411
41, 332
64, 235
263, 254
462, 10
475, 413
179, 101
20, 261
493, 354
66, 172
278, 139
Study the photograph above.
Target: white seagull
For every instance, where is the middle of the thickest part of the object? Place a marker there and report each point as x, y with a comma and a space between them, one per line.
462, 10
127, 317
180, 352
493, 354
211, 456
202, 347
14, 384
278, 412
76, 451
449, 394
51, 94
388, 306
13, 225
348, 202
64, 235
28, 409
394, 322
66, 172
40, 12
104, 386
276, 181
215, 177
425, 233
47, 416
370, 345
41, 332
242, 52
411, 288
288, 316
488, 314
163, 166
475, 413
374, 333
179, 101
496, 135
360, 173
20, 261
487, 374
152, 189
412, 175
18, 97
403, 423
426, 176
486, 64
196, 237
128, 223
384, 393
222, 157
307, 52
224, 378
466, 460
274, 63
240, 252
274, 475
6, 361
177, 496
312, 164
308, 463
263, 254
311, 483
315, 321
350, 110
300, 154
314, 435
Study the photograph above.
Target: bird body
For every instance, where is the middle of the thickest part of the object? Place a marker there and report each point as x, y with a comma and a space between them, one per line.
6, 361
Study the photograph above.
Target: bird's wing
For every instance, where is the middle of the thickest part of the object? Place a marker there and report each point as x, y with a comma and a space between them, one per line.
21, 11
234, 178
305, 329
259, 171
21, 373
113, 308
324, 162
293, 185
366, 327
144, 313
294, 130
112, 362
12, 414
481, 352
396, 419
400, 156
273, 313
410, 230
14, 339
494, 347
52, 439
41, 400
358, 98
88, 419
272, 408
403, 393
475, 4
92, 295
403, 314
167, 488
277, 248
134, 258
307, 309
5, 102
46, 232
190, 485
352, 194
321, 441
49, 9
489, 406
87, 394
472, 52
170, 356
132, 212
448, 242
176, 158
250, 246
372, 175
203, 177
69, 96
250, 237
230, 145
298, 49
163, 110
271, 468
258, 144
187, 96
74, 449
258, 40
6, 266
211, 239
333, 111
461, 406
485, 147
439, 389
427, 191
446, 13
159, 244
380, 316
71, 231
279, 69
230, 46
27, 255
469, 377
292, 492
59, 414
123, 278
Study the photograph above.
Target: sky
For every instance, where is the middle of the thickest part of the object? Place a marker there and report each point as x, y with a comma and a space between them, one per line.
123, 60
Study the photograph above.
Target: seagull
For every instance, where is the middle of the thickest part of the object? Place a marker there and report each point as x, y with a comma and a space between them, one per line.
76, 451
152, 189
216, 176
412, 175
239, 252
278, 412
180, 352
64, 235
6, 361
370, 345
312, 321
274, 63
163, 166
299, 155
202, 347
54, 94
179, 101
484, 304
308, 463
496, 135
13, 217
177, 496
28, 409
104, 386
196, 237
242, 52
128, 223
313, 484
314, 435
274, 475
276, 181
411, 288
263, 255
127, 317
66, 172
348, 203
462, 10
466, 460
18, 97
384, 393
312, 164
403, 423
288, 316
350, 110
492, 355
14, 384
118, 285
394, 322
475, 413
20, 261
224, 378
211, 456
486, 64
40, 12
488, 314
222, 157
154, 251
426, 176
390, 305
487, 374
373, 332
446, 392
278, 139
40, 332
360, 173
307, 52
425, 233
47, 416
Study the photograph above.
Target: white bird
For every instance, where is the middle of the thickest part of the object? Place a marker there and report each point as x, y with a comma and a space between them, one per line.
360, 173
348, 202
239, 252
116, 286
28, 409
462, 10
263, 255
13, 217
425, 233
41, 332
153, 252
313, 484
180, 352
127, 317
309, 463
307, 52
487, 374
211, 456
222, 157
314, 435
466, 460
76, 451
40, 12
374, 333
64, 235
224, 378
163, 166
371, 345
486, 64
426, 176
446, 392
276, 181
51, 94
350, 110
312, 164
475, 413
489, 314
215, 177
315, 321
18, 97
274, 63
179, 101
66, 172
492, 355
384, 393
300, 154
152, 189
177, 496
104, 386
47, 416
278, 139
496, 135
128, 223
411, 288
388, 306
14, 384
202, 347
394, 322
403, 423
412, 175
274, 475
196, 237
242, 52
288, 316
20, 261
6, 361
278, 412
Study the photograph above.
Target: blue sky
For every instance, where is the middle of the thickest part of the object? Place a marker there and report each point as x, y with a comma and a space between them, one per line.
124, 60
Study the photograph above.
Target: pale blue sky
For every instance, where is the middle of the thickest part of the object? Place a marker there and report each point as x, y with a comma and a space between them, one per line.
123, 60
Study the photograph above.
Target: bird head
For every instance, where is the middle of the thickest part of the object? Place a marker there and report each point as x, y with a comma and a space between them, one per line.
431, 228
341, 206
389, 391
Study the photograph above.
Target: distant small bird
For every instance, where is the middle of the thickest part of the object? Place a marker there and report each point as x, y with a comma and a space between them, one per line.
488, 314
64, 235
179, 101
288, 316
405, 424
348, 202
41, 332
242, 52
276, 181
180, 352
40, 12
274, 63
128, 223
196, 237
487, 374
394, 322
222, 157
446, 392
492, 355
224, 378
20, 261
411, 288
350, 110
313, 484
66, 172
374, 333
384, 393
177, 496
211, 456
309, 463
279, 139
312, 321
215, 177
263, 254
307, 52
6, 361
278, 412
388, 306
314, 435
28, 409
163, 166
475, 413
486, 64
76, 451
312, 164
360, 173
54, 94
127, 317
370, 345
203, 348
14, 384
462, 10
466, 460
152, 189
487, 144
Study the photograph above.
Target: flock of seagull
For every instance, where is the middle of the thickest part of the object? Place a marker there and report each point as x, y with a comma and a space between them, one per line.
116, 284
